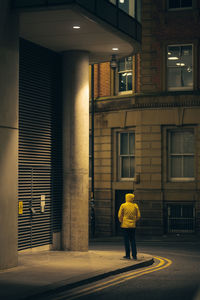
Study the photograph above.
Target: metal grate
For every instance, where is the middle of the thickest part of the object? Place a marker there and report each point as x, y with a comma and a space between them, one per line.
39, 145
181, 218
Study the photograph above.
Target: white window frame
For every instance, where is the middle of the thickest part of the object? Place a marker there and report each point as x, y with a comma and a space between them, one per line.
180, 8
123, 72
120, 156
167, 68
170, 155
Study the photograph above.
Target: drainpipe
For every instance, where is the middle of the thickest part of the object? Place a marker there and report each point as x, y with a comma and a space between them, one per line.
92, 202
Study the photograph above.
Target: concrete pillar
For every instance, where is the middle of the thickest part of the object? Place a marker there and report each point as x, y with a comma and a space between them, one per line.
9, 70
75, 150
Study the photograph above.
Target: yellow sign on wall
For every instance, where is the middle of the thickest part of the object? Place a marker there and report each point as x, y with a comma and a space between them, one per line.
20, 207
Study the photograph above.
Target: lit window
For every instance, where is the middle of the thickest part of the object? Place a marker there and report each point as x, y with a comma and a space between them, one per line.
178, 4
113, 1
131, 7
180, 67
127, 6
125, 74
181, 154
126, 157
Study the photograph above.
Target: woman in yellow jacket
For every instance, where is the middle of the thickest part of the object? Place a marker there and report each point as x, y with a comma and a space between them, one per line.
128, 215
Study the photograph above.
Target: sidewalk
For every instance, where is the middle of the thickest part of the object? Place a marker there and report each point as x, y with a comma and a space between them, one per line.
40, 272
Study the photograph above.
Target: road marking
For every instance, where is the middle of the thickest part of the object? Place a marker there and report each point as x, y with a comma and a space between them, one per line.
73, 294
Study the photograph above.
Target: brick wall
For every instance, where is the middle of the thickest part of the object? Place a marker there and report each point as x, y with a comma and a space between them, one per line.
104, 79
160, 28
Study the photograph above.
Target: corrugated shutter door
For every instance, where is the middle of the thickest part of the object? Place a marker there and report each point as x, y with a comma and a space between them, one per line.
38, 145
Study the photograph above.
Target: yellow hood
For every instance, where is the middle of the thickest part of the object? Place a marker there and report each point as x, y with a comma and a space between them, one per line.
129, 197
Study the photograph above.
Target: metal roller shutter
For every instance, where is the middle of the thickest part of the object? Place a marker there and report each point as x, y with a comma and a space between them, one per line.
40, 165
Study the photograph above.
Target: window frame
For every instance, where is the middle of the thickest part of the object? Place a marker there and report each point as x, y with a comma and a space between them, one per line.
180, 8
171, 89
119, 156
169, 155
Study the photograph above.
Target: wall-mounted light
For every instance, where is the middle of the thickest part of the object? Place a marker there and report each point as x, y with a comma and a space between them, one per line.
113, 62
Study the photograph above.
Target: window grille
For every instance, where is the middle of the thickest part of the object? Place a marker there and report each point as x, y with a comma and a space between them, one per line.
181, 218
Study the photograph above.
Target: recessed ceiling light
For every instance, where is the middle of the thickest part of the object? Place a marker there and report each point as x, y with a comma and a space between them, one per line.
76, 27
115, 49
180, 64
173, 58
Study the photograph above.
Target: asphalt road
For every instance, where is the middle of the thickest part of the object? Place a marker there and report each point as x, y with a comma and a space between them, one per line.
177, 279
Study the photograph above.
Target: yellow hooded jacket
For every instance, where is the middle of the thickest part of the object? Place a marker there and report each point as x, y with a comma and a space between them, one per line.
129, 212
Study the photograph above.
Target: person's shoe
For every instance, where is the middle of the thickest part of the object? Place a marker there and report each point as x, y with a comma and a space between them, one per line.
134, 257
126, 257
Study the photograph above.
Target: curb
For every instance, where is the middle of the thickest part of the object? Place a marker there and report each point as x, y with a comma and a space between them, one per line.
72, 285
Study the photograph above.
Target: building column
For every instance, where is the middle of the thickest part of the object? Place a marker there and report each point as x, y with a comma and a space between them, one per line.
9, 70
75, 150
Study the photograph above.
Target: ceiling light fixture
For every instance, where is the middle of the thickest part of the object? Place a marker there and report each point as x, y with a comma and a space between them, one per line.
76, 27
115, 49
173, 58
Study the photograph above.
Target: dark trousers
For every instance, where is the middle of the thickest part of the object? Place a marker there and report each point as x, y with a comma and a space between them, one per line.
129, 241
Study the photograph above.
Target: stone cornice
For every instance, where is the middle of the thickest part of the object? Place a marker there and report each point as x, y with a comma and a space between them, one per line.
148, 101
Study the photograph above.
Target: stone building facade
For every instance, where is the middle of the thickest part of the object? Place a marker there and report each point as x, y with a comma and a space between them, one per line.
147, 139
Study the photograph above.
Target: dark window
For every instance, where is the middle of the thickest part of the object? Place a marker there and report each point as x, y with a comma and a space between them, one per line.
126, 155
173, 4
181, 154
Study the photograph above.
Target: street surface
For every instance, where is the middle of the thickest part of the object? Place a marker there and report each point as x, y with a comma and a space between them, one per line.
175, 275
